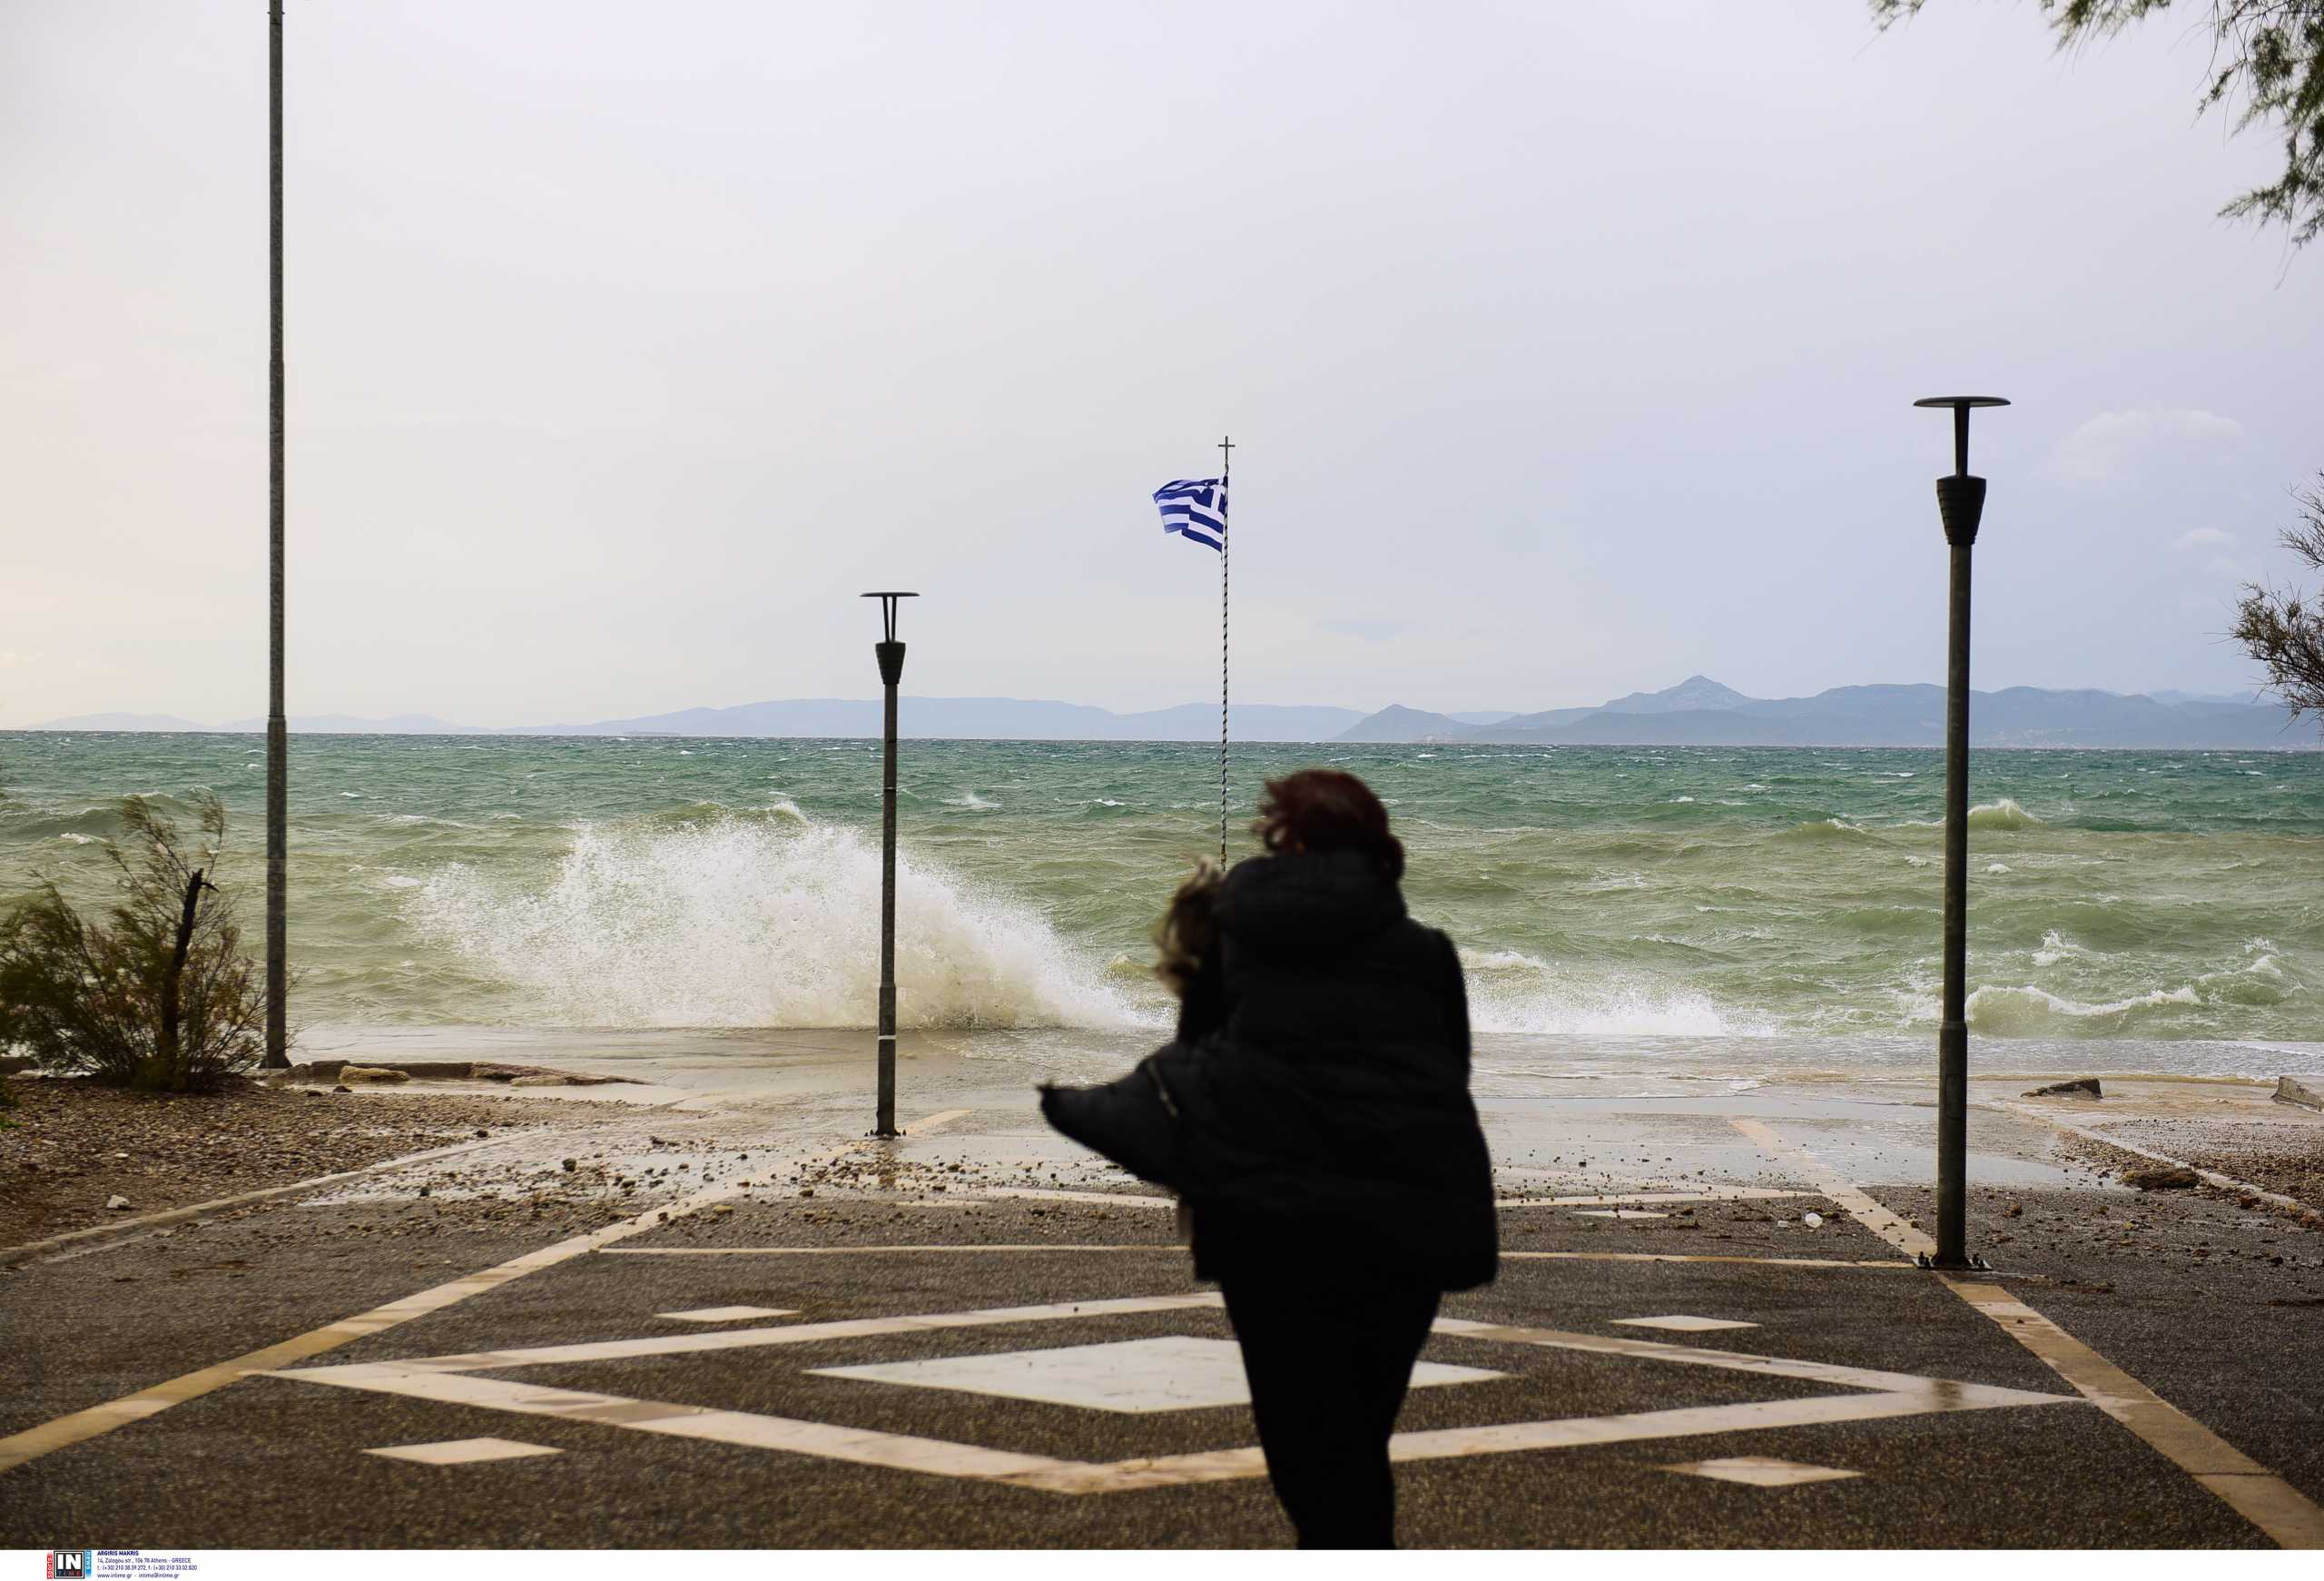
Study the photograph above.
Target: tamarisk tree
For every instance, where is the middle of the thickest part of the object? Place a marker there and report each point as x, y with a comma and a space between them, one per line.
2283, 630
2267, 70
156, 992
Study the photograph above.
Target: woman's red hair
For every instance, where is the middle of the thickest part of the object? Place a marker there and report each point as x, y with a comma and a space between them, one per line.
1327, 809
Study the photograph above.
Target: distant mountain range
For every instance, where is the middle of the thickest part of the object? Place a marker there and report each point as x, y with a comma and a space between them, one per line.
929, 718
1697, 712
1700, 712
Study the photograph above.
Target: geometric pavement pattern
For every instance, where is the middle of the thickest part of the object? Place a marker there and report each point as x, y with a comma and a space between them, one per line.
1869, 1395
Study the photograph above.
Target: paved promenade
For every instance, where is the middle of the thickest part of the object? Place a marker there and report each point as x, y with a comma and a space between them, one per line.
976, 1336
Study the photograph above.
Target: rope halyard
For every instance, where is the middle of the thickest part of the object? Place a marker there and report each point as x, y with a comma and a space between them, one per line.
1226, 546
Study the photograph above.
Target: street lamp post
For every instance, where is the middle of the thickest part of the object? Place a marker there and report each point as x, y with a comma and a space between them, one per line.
891, 654
278, 752
1961, 502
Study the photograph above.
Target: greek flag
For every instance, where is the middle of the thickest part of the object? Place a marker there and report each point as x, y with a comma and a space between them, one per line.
1196, 506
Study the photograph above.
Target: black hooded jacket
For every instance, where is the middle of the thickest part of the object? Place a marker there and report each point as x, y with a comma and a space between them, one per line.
1327, 1123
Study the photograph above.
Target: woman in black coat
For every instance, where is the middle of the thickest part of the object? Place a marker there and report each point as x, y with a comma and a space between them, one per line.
1322, 1133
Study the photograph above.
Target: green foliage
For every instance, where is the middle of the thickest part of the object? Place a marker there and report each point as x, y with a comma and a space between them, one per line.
2283, 630
91, 996
2266, 69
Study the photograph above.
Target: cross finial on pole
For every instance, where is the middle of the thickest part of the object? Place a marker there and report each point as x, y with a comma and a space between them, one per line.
1226, 454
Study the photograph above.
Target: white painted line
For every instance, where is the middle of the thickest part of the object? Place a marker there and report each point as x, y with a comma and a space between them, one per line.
81, 1426
2279, 1509
1679, 1323
451, 1380
1618, 1213
1888, 1264
464, 1451
1175, 1372
84, 1425
1106, 1198
748, 1428
728, 1314
751, 1339
1758, 1471
1641, 1198
864, 1251
1869, 1213
1136, 1200
971, 1248
1865, 1378
2288, 1517
1567, 1433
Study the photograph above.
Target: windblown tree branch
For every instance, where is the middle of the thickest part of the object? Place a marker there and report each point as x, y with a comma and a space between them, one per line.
2282, 630
2267, 70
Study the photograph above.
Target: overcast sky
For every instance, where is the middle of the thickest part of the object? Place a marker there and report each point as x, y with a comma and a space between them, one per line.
1568, 349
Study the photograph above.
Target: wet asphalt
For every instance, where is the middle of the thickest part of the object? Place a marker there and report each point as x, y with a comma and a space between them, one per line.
2229, 1336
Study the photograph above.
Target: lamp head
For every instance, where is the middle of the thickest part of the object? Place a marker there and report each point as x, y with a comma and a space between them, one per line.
888, 612
1960, 405
1960, 498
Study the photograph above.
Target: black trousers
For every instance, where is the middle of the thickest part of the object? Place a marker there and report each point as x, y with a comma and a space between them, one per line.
1329, 1363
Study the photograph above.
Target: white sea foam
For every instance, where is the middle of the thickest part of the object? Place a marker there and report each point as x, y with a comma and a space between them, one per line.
972, 801
2005, 1010
1511, 991
749, 922
2055, 949
1610, 1009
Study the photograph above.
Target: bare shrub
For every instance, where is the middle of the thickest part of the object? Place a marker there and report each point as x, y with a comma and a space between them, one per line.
158, 994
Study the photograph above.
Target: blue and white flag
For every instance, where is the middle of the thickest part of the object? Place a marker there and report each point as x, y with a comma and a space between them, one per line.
1196, 506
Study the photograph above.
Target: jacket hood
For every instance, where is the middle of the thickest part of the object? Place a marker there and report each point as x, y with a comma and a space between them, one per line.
1302, 902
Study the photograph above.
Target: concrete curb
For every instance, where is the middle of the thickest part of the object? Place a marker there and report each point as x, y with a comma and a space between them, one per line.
2209, 1177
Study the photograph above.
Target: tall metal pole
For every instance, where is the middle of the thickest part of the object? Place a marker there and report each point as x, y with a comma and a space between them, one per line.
891, 655
1225, 547
278, 765
1961, 501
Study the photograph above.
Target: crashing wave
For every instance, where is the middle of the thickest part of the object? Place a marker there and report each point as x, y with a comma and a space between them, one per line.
2002, 1011
2003, 814
759, 919
1511, 991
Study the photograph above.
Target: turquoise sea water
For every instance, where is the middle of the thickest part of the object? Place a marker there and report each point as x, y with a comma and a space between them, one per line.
1689, 906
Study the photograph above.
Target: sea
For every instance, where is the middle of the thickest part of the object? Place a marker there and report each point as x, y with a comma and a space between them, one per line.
1673, 916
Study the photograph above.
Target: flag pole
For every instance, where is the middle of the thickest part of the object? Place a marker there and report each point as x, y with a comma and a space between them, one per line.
1226, 473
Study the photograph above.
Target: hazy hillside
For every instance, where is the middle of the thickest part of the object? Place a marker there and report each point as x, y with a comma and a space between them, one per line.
1697, 712
1397, 723
975, 719
1700, 712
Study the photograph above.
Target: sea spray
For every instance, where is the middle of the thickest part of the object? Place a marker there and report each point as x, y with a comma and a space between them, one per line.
1511, 992
527, 881
751, 921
